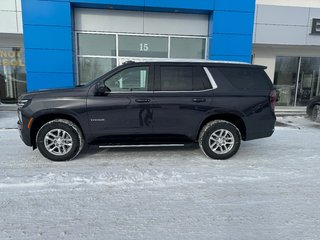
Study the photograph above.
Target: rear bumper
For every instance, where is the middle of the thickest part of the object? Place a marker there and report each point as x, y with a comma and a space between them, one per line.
260, 127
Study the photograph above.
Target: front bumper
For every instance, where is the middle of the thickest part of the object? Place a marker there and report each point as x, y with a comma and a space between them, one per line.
24, 132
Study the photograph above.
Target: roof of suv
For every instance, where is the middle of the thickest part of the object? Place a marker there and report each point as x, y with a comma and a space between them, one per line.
197, 62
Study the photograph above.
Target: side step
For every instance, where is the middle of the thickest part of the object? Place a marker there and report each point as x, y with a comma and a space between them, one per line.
142, 145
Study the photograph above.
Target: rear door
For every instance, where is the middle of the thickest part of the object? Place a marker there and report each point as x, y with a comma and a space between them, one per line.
181, 99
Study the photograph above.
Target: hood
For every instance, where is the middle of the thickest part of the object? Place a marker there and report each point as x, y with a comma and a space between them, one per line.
65, 92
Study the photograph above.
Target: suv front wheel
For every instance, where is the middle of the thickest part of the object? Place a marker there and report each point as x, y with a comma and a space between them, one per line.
59, 140
219, 139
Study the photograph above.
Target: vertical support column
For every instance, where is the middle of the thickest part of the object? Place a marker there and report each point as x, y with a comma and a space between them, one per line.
47, 29
231, 30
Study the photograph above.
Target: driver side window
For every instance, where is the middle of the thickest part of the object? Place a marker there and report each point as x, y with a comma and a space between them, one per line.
128, 80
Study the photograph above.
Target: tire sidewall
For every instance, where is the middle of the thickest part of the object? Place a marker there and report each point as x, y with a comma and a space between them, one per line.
211, 128
314, 112
57, 124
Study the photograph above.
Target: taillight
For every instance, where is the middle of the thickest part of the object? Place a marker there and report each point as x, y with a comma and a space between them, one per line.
273, 99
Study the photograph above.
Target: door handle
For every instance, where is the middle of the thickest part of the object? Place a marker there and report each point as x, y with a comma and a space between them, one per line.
198, 100
142, 100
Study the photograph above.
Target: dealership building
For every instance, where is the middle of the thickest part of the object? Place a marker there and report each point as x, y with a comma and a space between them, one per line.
62, 43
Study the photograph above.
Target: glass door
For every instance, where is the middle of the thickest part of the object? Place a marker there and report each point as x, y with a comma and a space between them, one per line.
12, 74
309, 80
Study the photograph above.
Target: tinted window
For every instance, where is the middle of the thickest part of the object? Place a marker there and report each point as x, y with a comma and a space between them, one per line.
246, 78
131, 79
176, 79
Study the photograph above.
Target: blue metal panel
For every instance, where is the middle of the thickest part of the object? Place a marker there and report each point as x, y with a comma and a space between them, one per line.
49, 61
228, 44
207, 5
235, 5
233, 22
246, 58
38, 12
112, 2
48, 37
48, 32
41, 81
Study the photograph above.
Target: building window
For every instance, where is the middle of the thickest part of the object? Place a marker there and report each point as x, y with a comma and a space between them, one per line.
141, 46
97, 44
91, 68
193, 48
98, 53
12, 74
297, 80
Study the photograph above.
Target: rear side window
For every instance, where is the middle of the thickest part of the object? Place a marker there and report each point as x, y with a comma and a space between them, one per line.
246, 78
178, 78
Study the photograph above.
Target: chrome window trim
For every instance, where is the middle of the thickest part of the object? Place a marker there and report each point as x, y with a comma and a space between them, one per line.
131, 92
205, 90
211, 79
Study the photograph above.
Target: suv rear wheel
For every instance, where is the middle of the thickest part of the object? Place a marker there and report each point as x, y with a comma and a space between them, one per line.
219, 139
59, 140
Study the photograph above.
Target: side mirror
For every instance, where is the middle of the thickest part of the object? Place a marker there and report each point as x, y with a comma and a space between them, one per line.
102, 89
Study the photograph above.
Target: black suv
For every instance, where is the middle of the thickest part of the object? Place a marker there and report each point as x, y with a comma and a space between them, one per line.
215, 104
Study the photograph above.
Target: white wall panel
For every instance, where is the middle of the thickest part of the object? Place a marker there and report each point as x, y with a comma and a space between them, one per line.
294, 16
140, 22
285, 25
176, 23
7, 5
296, 3
108, 20
8, 22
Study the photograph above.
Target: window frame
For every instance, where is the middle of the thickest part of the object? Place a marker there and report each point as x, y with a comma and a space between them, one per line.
118, 58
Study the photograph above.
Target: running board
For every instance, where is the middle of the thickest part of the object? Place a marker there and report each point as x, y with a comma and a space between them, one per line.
142, 145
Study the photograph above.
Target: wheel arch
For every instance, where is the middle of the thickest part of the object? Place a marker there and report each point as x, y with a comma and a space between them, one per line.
232, 118
45, 117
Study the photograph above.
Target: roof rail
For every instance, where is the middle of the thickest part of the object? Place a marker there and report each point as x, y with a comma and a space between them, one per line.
180, 60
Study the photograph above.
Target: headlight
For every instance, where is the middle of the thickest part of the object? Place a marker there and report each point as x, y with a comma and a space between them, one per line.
23, 103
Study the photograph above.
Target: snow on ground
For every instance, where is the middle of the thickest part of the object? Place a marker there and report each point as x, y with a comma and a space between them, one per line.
8, 119
269, 190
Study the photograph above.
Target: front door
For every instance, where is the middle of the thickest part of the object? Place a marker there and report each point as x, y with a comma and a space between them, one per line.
126, 109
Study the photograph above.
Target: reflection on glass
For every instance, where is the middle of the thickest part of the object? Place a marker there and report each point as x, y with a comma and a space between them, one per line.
141, 46
96, 44
309, 84
193, 48
131, 79
92, 68
12, 74
297, 88
285, 79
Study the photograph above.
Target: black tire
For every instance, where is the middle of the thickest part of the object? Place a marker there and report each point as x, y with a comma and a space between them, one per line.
315, 112
223, 147
65, 146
